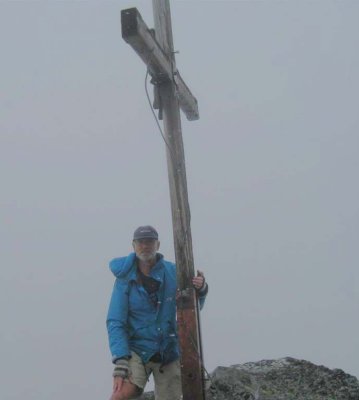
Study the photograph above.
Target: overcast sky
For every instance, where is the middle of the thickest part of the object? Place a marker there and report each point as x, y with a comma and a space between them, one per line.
272, 168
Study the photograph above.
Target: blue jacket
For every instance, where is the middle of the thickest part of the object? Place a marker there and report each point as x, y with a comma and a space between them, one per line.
134, 323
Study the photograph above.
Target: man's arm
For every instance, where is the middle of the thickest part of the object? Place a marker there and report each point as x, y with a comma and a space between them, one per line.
200, 284
117, 321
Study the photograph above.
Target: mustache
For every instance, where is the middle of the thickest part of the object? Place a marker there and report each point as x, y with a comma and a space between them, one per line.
146, 255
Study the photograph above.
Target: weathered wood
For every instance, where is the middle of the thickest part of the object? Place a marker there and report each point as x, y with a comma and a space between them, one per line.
157, 53
159, 63
178, 187
187, 303
136, 33
187, 101
190, 344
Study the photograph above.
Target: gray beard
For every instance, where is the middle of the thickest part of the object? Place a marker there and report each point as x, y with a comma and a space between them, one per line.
147, 257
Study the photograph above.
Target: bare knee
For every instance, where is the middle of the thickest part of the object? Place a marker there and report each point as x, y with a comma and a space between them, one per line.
128, 391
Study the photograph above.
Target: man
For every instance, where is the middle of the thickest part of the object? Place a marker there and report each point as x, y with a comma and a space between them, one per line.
141, 320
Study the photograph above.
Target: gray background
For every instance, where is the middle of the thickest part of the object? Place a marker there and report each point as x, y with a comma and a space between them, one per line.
272, 173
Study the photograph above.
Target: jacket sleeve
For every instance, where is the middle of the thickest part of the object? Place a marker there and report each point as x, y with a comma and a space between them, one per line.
202, 294
117, 321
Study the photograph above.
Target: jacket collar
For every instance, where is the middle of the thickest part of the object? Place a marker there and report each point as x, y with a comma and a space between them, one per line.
157, 271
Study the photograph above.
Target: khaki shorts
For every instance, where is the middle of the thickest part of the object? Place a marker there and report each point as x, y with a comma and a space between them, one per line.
167, 379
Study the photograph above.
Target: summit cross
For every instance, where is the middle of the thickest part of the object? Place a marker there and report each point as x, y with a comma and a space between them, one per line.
155, 48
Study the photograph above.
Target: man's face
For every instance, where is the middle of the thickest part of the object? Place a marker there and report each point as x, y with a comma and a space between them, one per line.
146, 249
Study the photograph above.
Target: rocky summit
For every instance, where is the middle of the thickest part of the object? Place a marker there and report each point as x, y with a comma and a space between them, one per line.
283, 379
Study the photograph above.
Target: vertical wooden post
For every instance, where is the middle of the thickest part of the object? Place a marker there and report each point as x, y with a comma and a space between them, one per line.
187, 304
171, 95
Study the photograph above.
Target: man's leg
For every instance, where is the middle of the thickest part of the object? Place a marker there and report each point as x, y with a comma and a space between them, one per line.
132, 387
127, 391
167, 379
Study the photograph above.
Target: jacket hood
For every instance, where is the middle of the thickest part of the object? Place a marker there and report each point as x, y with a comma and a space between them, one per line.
123, 266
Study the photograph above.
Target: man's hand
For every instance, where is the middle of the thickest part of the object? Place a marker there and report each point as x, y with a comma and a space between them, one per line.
120, 373
117, 384
199, 281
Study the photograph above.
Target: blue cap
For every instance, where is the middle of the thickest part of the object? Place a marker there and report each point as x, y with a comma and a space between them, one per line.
145, 232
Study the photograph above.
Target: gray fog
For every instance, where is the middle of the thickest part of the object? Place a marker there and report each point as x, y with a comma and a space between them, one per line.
272, 169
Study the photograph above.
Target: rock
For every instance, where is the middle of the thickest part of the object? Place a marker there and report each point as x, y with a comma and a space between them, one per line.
283, 379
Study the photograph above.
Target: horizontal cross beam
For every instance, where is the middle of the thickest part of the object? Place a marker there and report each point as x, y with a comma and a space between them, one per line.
136, 33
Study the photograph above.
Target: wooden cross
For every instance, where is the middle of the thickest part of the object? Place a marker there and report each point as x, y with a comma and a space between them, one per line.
171, 93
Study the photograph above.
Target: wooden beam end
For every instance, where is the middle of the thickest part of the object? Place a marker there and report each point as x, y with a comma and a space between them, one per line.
129, 22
